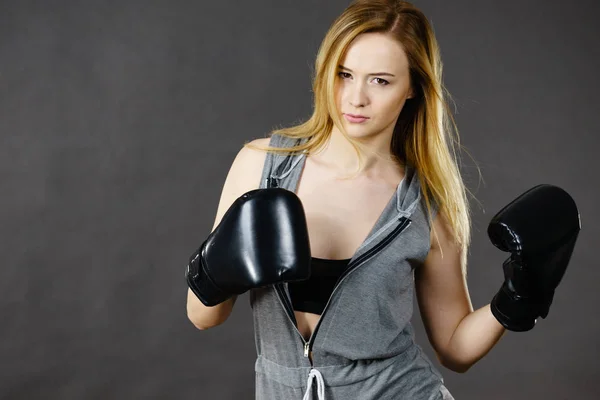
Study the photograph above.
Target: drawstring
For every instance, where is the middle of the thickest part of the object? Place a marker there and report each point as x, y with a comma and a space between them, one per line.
314, 373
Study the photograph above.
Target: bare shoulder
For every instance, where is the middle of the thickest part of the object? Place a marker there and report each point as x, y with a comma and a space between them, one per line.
261, 141
253, 154
248, 164
243, 176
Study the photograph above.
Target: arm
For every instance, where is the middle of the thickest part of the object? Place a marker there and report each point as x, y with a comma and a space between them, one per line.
459, 336
244, 175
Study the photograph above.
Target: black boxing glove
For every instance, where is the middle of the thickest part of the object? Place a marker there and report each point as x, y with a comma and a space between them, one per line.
539, 229
262, 239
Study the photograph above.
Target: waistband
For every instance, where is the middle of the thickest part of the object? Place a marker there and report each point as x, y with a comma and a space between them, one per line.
332, 375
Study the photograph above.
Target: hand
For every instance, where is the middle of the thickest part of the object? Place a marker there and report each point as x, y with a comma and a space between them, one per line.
262, 239
539, 229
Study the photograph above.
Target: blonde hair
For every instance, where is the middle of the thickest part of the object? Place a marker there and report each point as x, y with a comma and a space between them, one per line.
425, 135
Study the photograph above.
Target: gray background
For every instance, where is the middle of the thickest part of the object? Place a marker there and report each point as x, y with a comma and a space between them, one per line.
119, 121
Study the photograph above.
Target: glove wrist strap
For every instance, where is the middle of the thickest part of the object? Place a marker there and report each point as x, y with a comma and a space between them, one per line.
513, 312
200, 283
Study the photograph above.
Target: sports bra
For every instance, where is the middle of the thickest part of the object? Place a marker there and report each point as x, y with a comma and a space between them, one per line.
312, 294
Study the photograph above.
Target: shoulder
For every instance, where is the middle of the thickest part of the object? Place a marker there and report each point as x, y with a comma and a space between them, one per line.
254, 148
244, 175
261, 141
247, 166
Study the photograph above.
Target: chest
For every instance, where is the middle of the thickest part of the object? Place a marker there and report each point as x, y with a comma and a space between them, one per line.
340, 214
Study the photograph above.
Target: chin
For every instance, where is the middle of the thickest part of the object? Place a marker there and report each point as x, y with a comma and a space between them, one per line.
362, 135
359, 132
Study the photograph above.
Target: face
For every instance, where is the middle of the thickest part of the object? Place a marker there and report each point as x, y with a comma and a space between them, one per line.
373, 81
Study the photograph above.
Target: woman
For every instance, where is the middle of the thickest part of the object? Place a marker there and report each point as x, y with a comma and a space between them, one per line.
385, 205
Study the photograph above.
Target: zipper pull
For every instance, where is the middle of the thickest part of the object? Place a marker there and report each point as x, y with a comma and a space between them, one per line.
306, 349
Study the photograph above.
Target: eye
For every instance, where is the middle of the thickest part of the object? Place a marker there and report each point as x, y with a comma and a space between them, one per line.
381, 82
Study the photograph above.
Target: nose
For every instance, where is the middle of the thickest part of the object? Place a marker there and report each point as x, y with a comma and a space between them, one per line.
357, 96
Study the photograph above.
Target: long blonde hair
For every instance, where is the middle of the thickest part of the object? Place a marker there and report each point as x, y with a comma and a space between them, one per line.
425, 134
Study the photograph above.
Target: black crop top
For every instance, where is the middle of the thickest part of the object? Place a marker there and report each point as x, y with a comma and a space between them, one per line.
312, 294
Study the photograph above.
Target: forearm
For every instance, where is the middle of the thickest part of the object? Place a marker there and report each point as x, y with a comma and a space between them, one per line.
204, 317
474, 337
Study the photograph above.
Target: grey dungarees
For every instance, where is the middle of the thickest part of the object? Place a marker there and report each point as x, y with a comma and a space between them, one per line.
363, 346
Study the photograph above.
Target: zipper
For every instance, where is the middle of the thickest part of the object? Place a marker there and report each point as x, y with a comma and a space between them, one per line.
404, 223
285, 301
289, 311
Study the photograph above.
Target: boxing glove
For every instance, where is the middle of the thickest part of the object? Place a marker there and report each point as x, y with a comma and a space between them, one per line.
262, 239
539, 228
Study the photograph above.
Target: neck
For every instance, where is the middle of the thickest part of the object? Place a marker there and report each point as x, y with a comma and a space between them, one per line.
339, 155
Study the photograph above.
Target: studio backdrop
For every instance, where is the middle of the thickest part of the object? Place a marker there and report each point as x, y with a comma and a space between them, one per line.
119, 121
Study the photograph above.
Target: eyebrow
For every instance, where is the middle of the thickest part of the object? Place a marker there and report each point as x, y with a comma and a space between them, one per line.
374, 73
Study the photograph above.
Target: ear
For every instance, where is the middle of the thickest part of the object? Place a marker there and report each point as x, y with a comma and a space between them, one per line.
410, 94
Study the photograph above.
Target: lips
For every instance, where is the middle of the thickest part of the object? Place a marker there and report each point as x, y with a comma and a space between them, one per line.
356, 115
355, 119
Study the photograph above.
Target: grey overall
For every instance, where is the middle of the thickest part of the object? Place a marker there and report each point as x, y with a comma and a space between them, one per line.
363, 345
